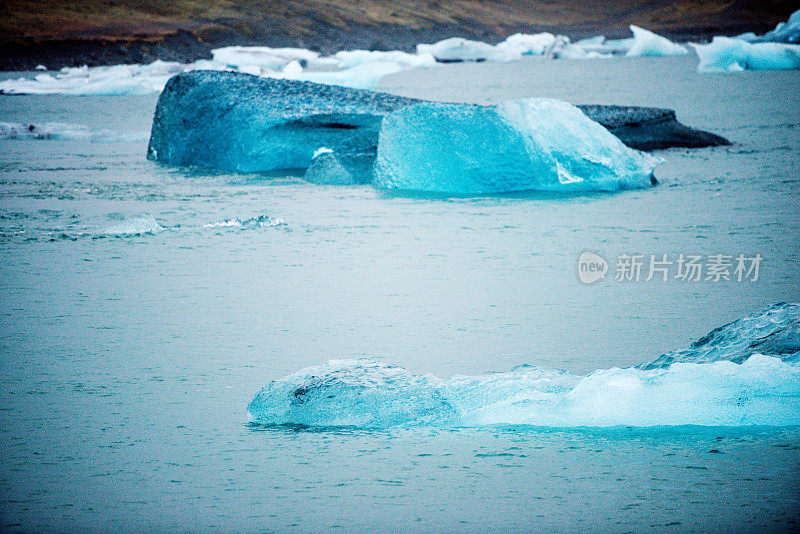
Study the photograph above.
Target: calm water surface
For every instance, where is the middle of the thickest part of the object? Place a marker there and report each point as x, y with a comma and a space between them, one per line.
138, 322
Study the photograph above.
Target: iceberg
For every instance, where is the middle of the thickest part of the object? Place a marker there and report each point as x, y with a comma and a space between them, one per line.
785, 32
520, 145
458, 49
650, 128
773, 56
773, 331
368, 394
521, 44
746, 373
511, 49
358, 393
648, 44
114, 80
331, 168
360, 76
261, 56
243, 123
725, 54
353, 58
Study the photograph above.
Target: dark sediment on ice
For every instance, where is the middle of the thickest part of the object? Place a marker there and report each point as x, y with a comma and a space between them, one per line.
650, 128
238, 122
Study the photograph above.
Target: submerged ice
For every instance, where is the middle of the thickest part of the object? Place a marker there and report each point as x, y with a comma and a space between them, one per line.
712, 391
519, 145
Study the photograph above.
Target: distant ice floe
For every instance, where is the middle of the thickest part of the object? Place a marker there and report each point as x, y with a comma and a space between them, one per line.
785, 32
648, 44
112, 80
724, 54
356, 68
763, 389
775, 50
643, 43
363, 68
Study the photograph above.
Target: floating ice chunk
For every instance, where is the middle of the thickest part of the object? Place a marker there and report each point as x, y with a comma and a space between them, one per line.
292, 70
520, 145
773, 56
774, 331
138, 226
618, 46
724, 54
261, 56
262, 221
353, 58
243, 123
114, 80
458, 49
359, 69
521, 44
597, 40
648, 44
649, 128
363, 76
511, 49
747, 36
364, 393
237, 122
40, 67
785, 32
330, 168
351, 393
574, 51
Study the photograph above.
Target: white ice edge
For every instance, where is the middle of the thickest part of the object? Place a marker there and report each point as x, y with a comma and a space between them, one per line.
363, 68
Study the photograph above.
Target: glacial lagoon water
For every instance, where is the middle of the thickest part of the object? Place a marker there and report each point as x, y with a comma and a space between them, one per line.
144, 307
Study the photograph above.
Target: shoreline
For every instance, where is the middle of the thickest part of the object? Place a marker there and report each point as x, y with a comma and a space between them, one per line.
98, 37
183, 46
